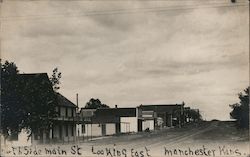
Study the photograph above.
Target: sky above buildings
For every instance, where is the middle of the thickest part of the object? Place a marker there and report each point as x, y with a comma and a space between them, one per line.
134, 52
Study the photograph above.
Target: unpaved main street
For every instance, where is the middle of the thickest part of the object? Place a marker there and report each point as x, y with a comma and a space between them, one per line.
223, 137
213, 138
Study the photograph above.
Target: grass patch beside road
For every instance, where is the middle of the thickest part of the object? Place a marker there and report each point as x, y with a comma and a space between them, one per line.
226, 131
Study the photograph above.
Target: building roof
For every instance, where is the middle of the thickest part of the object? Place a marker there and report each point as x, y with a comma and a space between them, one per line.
108, 115
161, 107
39, 82
36, 78
87, 112
35, 82
112, 115
118, 112
162, 104
36, 89
63, 101
34, 74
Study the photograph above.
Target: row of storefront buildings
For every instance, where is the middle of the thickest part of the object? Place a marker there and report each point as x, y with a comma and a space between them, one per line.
81, 124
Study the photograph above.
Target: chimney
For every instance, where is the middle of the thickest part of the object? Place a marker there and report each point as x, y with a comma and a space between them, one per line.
77, 100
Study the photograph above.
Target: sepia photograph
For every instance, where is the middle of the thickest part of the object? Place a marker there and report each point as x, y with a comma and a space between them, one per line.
124, 78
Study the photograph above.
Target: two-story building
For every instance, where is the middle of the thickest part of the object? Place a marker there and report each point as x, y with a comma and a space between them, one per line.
64, 124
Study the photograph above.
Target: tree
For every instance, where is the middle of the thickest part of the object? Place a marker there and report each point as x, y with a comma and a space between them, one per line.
193, 114
95, 103
28, 101
240, 110
40, 101
55, 79
12, 110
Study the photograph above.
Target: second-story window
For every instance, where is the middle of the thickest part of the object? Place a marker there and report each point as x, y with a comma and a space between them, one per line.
72, 112
59, 111
66, 112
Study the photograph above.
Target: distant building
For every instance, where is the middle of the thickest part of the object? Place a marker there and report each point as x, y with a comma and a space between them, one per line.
109, 121
192, 115
106, 121
153, 117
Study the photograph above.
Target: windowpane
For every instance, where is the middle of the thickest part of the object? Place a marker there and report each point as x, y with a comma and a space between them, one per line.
66, 110
72, 130
83, 128
66, 130
59, 111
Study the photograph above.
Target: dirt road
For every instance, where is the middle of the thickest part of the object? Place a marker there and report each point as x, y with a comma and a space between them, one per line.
213, 139
216, 135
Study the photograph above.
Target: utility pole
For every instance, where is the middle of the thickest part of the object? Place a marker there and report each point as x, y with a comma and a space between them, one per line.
77, 117
77, 100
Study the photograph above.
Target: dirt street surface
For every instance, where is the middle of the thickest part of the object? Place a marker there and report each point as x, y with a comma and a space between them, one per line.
215, 138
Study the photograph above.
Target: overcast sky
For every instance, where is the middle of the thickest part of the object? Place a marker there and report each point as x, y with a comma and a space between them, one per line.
134, 52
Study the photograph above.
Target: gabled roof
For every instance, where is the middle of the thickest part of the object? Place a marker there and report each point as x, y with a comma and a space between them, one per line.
63, 101
36, 78
34, 88
30, 83
40, 83
45, 75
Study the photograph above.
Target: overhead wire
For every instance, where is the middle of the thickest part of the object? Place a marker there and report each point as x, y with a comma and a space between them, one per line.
123, 11
114, 0
120, 0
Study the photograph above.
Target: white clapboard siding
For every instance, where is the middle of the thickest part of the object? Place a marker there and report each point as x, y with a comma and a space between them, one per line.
129, 124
